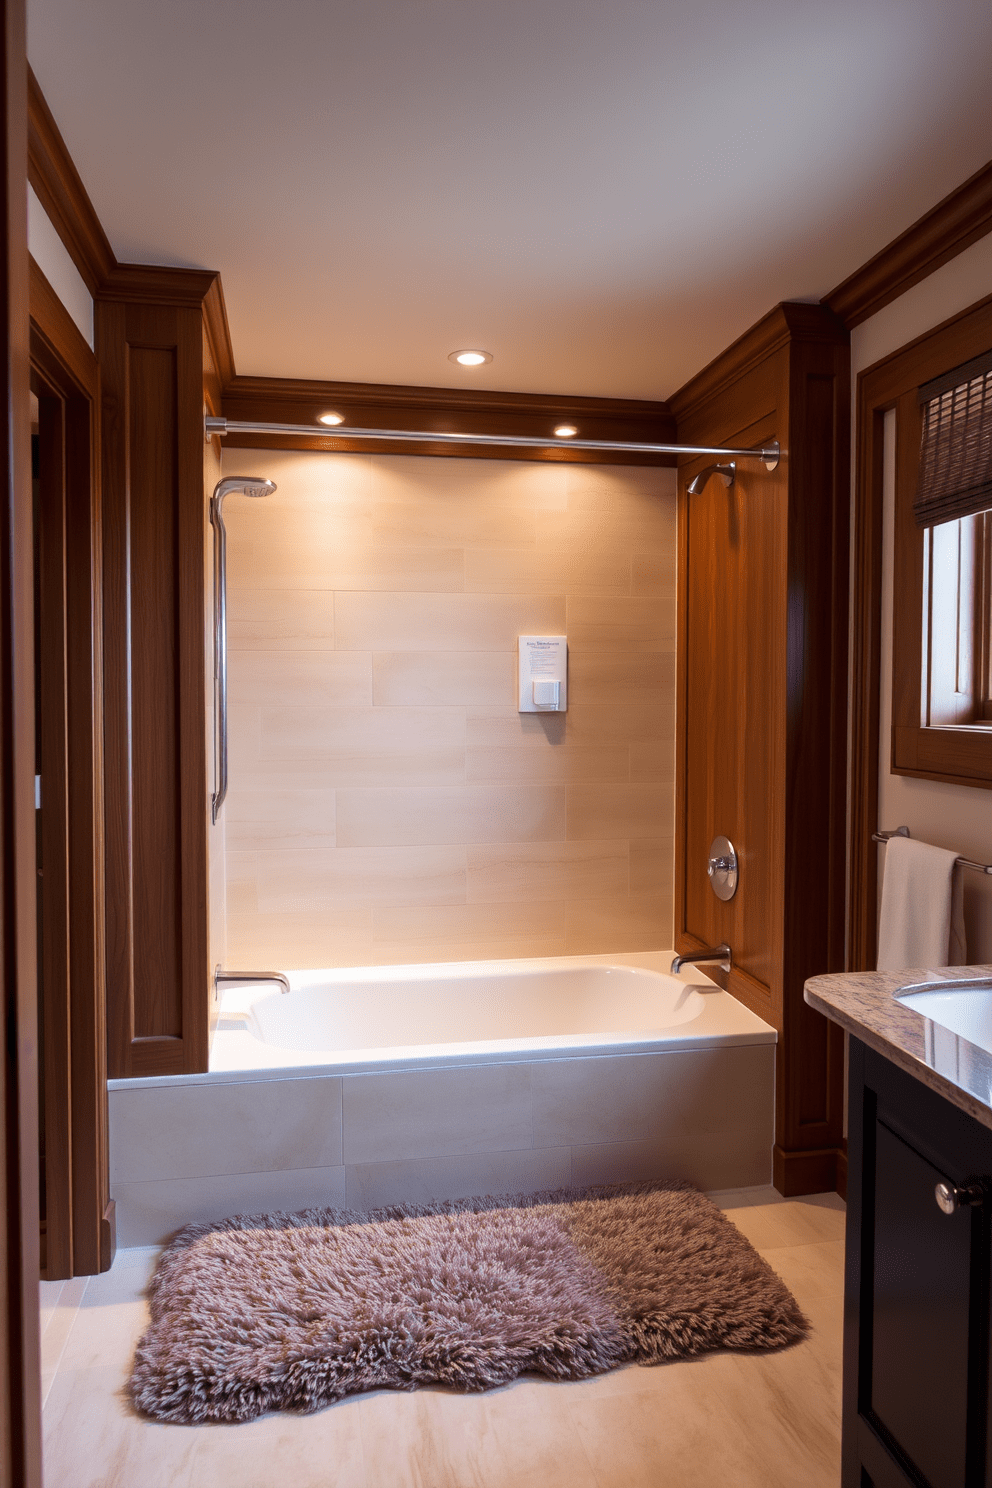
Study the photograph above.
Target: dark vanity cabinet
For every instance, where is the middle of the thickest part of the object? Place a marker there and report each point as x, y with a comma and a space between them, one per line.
916, 1321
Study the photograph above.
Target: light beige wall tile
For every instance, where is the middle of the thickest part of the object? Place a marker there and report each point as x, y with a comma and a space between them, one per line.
477, 813
279, 619
599, 812
316, 550
418, 575
404, 1114
652, 760
555, 765
499, 947
634, 922
547, 870
433, 570
445, 516
193, 1131
652, 865
513, 920
368, 746
513, 484
273, 679
427, 1180
628, 624
652, 1097
652, 574
738, 1156
603, 569
321, 879
453, 622
589, 725
404, 679
280, 818
149, 1213
601, 675
286, 940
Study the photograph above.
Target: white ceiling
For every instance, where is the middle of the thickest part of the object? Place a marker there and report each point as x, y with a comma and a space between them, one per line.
602, 193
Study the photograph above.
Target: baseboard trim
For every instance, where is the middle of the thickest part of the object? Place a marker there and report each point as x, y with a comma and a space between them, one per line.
805, 1172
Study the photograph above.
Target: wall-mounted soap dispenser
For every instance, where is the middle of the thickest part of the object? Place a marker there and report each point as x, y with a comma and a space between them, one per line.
543, 674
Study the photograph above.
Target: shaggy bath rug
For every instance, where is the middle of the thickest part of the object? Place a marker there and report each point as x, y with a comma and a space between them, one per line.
292, 1311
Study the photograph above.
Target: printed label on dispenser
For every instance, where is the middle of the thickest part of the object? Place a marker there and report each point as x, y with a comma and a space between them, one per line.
543, 686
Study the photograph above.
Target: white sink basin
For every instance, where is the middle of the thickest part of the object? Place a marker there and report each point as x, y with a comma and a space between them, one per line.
964, 1007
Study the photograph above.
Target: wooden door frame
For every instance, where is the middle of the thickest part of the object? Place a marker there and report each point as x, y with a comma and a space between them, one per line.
79, 1235
20, 1374
878, 390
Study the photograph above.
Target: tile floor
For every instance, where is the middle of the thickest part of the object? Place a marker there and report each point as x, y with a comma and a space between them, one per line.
769, 1421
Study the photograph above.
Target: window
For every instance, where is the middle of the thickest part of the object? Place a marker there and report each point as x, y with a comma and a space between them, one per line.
940, 389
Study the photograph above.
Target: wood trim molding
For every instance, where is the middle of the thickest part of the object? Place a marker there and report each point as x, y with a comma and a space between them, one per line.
964, 216
20, 1370
778, 328
53, 174
52, 321
371, 405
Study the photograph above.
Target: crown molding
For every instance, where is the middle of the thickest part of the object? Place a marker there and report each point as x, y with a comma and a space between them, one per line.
60, 190
793, 320
939, 235
443, 410
150, 284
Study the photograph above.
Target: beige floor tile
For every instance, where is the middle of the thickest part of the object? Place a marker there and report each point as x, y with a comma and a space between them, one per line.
519, 1437
319, 1451
790, 1222
57, 1320
809, 1271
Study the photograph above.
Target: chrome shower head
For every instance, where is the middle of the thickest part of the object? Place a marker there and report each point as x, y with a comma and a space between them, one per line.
727, 473
244, 485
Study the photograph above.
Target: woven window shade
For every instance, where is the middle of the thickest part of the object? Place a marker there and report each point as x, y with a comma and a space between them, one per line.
956, 450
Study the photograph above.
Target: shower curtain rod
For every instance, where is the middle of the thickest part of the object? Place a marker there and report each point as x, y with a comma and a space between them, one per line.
769, 453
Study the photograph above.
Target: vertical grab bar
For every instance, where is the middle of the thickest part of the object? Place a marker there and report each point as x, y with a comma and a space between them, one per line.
220, 656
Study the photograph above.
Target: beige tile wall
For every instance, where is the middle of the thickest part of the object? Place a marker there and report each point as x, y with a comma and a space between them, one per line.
387, 802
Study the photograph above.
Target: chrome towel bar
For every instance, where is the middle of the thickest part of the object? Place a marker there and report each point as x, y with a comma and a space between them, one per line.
884, 837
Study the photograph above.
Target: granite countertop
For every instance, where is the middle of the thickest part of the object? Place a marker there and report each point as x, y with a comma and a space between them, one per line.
863, 1003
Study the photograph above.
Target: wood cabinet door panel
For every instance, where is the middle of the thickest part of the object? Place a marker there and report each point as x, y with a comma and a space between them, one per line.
920, 1314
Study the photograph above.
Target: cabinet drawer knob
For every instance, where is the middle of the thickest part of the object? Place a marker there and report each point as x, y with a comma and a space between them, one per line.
950, 1198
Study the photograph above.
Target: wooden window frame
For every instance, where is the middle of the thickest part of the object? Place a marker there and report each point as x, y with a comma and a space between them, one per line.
953, 755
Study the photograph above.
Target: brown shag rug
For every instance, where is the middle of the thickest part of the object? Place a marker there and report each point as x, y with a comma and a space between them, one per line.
292, 1311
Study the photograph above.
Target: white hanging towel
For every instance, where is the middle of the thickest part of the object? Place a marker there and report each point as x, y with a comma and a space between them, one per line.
921, 923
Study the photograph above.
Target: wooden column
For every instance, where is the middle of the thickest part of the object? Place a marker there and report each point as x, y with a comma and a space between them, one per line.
763, 581
150, 345
20, 1382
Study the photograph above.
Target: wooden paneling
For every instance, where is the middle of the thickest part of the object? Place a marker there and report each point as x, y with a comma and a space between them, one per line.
449, 410
54, 176
20, 1402
958, 757
79, 1214
762, 699
150, 348
960, 219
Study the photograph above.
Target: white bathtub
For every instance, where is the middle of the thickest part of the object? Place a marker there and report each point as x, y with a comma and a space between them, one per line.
399, 1017
386, 1085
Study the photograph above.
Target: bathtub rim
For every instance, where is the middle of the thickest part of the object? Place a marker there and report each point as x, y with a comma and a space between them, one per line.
723, 1022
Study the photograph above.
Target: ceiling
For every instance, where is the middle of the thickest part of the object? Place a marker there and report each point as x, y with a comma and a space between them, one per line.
602, 193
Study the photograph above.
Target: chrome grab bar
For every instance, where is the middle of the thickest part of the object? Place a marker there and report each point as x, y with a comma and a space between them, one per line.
250, 486
251, 976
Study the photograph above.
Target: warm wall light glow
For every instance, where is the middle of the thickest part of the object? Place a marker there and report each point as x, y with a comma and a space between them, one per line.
330, 418
470, 358
565, 431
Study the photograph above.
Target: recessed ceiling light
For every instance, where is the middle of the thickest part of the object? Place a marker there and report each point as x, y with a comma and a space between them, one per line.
330, 418
565, 431
470, 358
